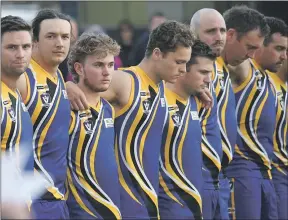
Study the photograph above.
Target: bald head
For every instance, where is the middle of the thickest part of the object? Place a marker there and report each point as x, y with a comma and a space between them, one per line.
203, 16
209, 26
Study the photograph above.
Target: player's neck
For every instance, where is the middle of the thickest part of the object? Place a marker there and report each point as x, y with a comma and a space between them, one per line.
282, 75
91, 96
178, 89
11, 82
148, 67
47, 67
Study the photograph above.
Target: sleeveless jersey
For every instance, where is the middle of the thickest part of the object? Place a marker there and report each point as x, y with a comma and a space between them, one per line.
181, 156
211, 140
280, 137
256, 117
226, 110
49, 110
16, 125
138, 128
92, 175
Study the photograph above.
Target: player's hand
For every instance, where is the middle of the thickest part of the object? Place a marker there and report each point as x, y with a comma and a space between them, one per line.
76, 97
206, 98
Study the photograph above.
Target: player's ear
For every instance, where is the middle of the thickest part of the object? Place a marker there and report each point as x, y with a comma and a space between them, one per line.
78, 67
157, 54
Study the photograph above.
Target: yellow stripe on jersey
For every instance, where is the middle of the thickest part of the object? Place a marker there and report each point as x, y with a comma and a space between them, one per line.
243, 129
166, 189
148, 191
28, 95
72, 122
237, 150
93, 152
5, 90
143, 139
76, 195
280, 133
181, 143
207, 152
121, 178
46, 127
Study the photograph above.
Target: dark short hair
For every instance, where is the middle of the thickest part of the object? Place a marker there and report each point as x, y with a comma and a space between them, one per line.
45, 14
13, 23
276, 25
244, 19
200, 49
168, 36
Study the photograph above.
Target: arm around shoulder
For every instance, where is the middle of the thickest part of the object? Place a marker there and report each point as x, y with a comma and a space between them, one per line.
119, 90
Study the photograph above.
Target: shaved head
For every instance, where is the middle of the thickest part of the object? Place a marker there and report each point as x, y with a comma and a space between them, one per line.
209, 27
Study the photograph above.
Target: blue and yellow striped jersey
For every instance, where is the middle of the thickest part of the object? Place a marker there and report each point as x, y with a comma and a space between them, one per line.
138, 128
49, 110
181, 156
93, 175
16, 125
226, 110
211, 140
280, 137
256, 118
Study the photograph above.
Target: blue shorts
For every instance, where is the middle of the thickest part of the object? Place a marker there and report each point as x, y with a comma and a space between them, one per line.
224, 197
280, 182
211, 204
49, 209
253, 198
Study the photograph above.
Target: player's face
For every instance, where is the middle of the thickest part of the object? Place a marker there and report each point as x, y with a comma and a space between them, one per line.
238, 50
199, 75
274, 53
97, 72
15, 52
54, 40
172, 65
213, 33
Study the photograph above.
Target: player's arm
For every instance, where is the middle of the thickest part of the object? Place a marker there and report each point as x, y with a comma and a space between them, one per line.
117, 94
22, 87
238, 74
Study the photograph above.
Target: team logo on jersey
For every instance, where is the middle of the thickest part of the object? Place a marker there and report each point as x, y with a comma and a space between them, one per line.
176, 117
220, 75
88, 126
146, 106
194, 115
46, 99
109, 122
12, 114
259, 81
280, 97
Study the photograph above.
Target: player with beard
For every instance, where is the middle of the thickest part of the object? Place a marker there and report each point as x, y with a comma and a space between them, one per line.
257, 120
43, 91
94, 190
209, 27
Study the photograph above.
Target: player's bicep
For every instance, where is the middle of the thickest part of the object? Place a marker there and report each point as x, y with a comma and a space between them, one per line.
22, 87
119, 90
